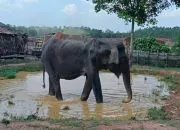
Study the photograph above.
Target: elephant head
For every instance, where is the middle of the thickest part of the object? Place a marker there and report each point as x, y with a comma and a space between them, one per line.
111, 55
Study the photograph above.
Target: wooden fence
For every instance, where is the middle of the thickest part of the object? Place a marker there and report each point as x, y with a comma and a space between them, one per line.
156, 59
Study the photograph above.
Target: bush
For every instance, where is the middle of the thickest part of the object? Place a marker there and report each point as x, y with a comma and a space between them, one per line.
150, 45
176, 47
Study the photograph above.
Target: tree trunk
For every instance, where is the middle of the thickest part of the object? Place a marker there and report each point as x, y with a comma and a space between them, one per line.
131, 43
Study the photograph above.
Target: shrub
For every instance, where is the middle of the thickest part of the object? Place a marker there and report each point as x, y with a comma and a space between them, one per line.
150, 45
176, 47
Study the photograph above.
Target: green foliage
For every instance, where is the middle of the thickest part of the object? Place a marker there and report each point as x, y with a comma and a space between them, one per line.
11, 103
32, 67
176, 47
157, 114
5, 121
172, 81
156, 92
150, 45
165, 32
141, 11
9, 73
140, 33
24, 118
176, 2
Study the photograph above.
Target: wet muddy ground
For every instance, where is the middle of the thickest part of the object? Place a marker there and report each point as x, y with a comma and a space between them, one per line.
25, 95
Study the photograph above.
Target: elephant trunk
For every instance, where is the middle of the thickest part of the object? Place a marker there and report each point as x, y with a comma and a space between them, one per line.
127, 84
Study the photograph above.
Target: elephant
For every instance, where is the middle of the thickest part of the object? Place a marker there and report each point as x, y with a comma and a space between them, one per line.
69, 59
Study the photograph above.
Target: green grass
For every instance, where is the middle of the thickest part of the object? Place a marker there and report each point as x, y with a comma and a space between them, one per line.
155, 68
26, 118
157, 114
156, 92
172, 81
10, 72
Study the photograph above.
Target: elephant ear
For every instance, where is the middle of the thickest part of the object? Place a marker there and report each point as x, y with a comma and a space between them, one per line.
114, 56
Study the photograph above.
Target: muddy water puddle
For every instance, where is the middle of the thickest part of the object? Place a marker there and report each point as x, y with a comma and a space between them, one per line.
25, 95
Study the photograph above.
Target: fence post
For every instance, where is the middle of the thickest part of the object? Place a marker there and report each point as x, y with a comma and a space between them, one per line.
167, 60
138, 57
148, 57
157, 59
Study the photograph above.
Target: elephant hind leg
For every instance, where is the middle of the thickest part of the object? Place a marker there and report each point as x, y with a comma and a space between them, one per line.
58, 90
51, 88
54, 82
56, 86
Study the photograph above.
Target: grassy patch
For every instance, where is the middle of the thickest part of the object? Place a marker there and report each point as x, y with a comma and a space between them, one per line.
5, 121
11, 103
27, 118
31, 67
72, 122
157, 114
156, 92
140, 67
172, 81
10, 72
164, 98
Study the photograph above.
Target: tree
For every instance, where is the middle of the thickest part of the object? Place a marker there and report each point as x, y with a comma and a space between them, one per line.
139, 11
176, 2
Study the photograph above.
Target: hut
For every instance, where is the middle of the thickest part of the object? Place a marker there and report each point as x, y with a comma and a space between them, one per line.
11, 43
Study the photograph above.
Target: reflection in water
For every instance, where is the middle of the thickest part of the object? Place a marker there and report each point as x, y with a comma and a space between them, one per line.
55, 109
29, 95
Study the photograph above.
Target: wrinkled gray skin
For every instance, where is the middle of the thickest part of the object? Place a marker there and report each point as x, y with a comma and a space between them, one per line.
69, 59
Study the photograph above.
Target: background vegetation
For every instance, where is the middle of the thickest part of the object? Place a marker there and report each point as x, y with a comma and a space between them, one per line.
150, 45
172, 33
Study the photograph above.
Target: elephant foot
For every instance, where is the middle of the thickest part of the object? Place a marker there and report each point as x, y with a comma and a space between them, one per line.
99, 101
126, 100
58, 97
52, 93
84, 98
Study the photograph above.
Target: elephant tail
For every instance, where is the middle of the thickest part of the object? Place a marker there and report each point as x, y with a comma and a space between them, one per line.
44, 77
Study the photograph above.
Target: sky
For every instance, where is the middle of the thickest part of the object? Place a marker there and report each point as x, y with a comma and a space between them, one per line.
71, 13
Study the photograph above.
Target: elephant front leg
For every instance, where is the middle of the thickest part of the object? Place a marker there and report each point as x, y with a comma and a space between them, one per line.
87, 89
51, 88
97, 88
127, 84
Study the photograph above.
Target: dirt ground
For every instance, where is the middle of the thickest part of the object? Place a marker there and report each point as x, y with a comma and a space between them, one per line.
125, 125
172, 106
